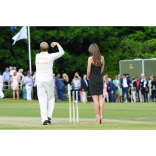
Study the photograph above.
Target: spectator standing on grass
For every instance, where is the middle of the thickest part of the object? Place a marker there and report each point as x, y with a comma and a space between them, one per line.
77, 85
35, 87
138, 86
84, 88
24, 87
15, 79
1, 87
108, 97
105, 93
133, 89
28, 83
55, 87
119, 78
141, 88
126, 84
150, 85
129, 89
117, 91
111, 88
60, 90
153, 87
11, 74
6, 77
32, 88
20, 75
145, 89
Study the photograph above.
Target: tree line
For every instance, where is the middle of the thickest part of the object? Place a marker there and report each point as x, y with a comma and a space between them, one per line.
115, 43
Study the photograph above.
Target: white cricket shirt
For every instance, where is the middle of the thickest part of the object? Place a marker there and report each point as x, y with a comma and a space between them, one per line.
44, 64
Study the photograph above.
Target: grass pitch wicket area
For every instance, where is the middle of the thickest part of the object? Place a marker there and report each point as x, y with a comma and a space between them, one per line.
24, 115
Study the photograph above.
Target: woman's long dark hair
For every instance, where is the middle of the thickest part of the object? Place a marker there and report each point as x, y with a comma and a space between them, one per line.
95, 52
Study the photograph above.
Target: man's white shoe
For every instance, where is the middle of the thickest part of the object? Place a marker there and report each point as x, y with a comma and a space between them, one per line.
125, 102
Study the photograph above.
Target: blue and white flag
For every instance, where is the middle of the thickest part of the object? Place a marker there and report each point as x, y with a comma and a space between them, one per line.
22, 34
12, 28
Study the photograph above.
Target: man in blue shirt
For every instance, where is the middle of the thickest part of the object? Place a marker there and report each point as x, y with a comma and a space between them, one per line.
28, 83
6, 77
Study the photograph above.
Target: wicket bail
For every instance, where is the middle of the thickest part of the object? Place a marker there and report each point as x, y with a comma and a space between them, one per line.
74, 105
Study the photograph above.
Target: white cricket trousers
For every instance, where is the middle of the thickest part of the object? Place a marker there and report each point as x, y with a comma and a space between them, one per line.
84, 96
45, 91
28, 88
1, 91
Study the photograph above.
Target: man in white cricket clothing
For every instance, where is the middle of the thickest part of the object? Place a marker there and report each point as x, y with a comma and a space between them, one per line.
44, 79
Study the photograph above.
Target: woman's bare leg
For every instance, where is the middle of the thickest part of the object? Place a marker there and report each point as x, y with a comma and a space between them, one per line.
13, 94
17, 94
101, 105
117, 99
96, 104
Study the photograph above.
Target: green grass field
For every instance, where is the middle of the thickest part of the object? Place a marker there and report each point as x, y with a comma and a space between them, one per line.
23, 115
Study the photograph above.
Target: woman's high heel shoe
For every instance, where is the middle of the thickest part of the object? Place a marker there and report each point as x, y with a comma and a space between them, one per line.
97, 121
101, 120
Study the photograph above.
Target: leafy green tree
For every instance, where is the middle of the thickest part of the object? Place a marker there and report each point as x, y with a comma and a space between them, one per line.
115, 44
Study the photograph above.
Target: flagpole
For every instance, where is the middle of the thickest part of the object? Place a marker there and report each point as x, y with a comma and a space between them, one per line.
29, 49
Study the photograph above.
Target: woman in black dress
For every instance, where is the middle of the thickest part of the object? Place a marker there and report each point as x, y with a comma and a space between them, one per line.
94, 74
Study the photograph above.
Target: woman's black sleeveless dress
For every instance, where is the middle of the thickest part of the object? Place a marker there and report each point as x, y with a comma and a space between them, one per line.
96, 81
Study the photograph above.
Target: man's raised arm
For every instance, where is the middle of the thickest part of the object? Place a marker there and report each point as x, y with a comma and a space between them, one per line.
58, 54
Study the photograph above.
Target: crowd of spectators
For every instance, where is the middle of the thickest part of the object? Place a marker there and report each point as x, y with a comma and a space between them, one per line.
121, 89
129, 89
11, 79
